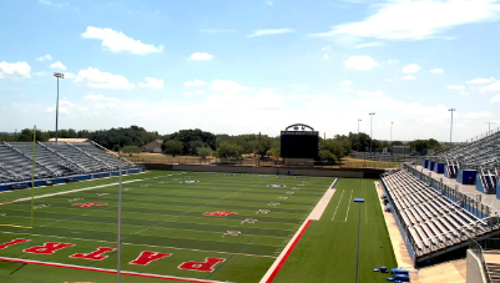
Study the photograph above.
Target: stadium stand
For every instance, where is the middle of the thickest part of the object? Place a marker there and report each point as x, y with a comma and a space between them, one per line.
433, 218
56, 160
481, 155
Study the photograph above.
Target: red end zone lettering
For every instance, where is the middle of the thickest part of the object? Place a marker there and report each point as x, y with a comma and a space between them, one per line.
48, 248
146, 257
96, 255
206, 266
13, 242
220, 213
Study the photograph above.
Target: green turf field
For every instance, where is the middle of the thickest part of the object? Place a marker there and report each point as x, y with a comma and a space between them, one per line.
161, 215
327, 251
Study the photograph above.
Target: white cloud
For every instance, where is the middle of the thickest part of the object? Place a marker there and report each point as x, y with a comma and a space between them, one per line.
18, 70
492, 87
495, 98
326, 48
99, 97
227, 86
201, 56
200, 91
216, 30
481, 81
116, 41
437, 71
69, 75
456, 87
370, 44
93, 77
152, 83
392, 61
360, 63
344, 90
348, 82
44, 58
68, 107
196, 82
50, 3
365, 93
411, 68
261, 32
58, 65
325, 57
408, 78
415, 20
479, 115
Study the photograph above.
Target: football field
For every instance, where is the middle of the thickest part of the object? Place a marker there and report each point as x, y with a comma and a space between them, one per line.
178, 226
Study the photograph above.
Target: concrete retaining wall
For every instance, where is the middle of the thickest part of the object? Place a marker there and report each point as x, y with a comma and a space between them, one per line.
475, 272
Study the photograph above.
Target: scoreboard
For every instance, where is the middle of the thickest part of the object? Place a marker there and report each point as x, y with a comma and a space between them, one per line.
299, 144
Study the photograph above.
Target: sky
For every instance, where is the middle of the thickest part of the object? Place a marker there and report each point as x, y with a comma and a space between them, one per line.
249, 66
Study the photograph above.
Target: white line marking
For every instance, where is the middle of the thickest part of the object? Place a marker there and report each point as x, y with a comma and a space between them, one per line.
347, 215
338, 205
72, 191
320, 207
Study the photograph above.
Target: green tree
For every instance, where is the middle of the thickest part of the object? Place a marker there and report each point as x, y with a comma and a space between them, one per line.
326, 155
227, 150
173, 147
131, 149
203, 152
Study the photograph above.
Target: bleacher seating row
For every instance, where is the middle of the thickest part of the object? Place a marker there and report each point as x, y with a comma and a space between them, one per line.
431, 221
54, 160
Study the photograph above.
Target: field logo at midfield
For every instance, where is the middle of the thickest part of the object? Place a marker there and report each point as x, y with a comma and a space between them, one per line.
276, 186
220, 213
189, 181
89, 204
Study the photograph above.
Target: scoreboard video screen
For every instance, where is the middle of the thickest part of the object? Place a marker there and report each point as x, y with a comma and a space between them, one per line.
299, 144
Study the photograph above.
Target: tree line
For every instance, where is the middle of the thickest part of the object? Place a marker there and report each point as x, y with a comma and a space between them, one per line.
203, 144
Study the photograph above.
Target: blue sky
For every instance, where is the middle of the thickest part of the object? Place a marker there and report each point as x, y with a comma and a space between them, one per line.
240, 67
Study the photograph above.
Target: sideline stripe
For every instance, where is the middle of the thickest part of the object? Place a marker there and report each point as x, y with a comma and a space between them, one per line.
111, 271
288, 252
68, 192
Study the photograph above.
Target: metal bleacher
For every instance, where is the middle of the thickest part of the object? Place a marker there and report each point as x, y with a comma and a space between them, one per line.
433, 223
55, 160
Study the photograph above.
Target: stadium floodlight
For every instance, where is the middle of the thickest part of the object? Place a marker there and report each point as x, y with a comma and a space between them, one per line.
451, 125
371, 126
58, 76
359, 144
392, 123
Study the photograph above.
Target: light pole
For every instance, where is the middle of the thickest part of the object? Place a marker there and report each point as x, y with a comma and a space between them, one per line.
391, 131
451, 125
371, 126
489, 126
359, 144
58, 76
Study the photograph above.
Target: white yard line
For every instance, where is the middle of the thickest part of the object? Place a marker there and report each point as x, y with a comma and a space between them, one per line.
347, 215
338, 204
69, 192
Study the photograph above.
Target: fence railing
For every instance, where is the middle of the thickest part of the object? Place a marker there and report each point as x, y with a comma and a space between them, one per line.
476, 248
